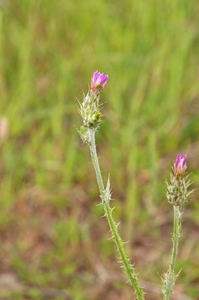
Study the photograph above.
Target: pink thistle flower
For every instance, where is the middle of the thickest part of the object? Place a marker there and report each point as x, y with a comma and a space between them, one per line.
180, 165
98, 82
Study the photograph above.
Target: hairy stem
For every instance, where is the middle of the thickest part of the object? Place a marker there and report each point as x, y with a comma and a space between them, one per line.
170, 276
105, 196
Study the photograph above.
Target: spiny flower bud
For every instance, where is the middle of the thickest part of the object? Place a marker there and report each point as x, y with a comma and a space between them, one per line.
90, 108
180, 165
177, 186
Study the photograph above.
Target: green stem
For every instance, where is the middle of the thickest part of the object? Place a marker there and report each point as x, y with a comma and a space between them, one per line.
95, 160
113, 226
170, 276
176, 235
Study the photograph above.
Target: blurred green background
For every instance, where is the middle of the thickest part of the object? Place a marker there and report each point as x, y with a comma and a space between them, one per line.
54, 243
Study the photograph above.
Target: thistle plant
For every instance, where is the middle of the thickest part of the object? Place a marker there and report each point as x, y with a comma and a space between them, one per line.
91, 115
177, 194
177, 187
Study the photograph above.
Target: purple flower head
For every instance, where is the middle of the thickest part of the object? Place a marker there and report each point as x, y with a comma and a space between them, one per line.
98, 82
180, 165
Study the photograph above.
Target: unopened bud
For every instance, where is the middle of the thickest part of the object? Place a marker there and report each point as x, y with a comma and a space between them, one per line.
178, 185
90, 107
